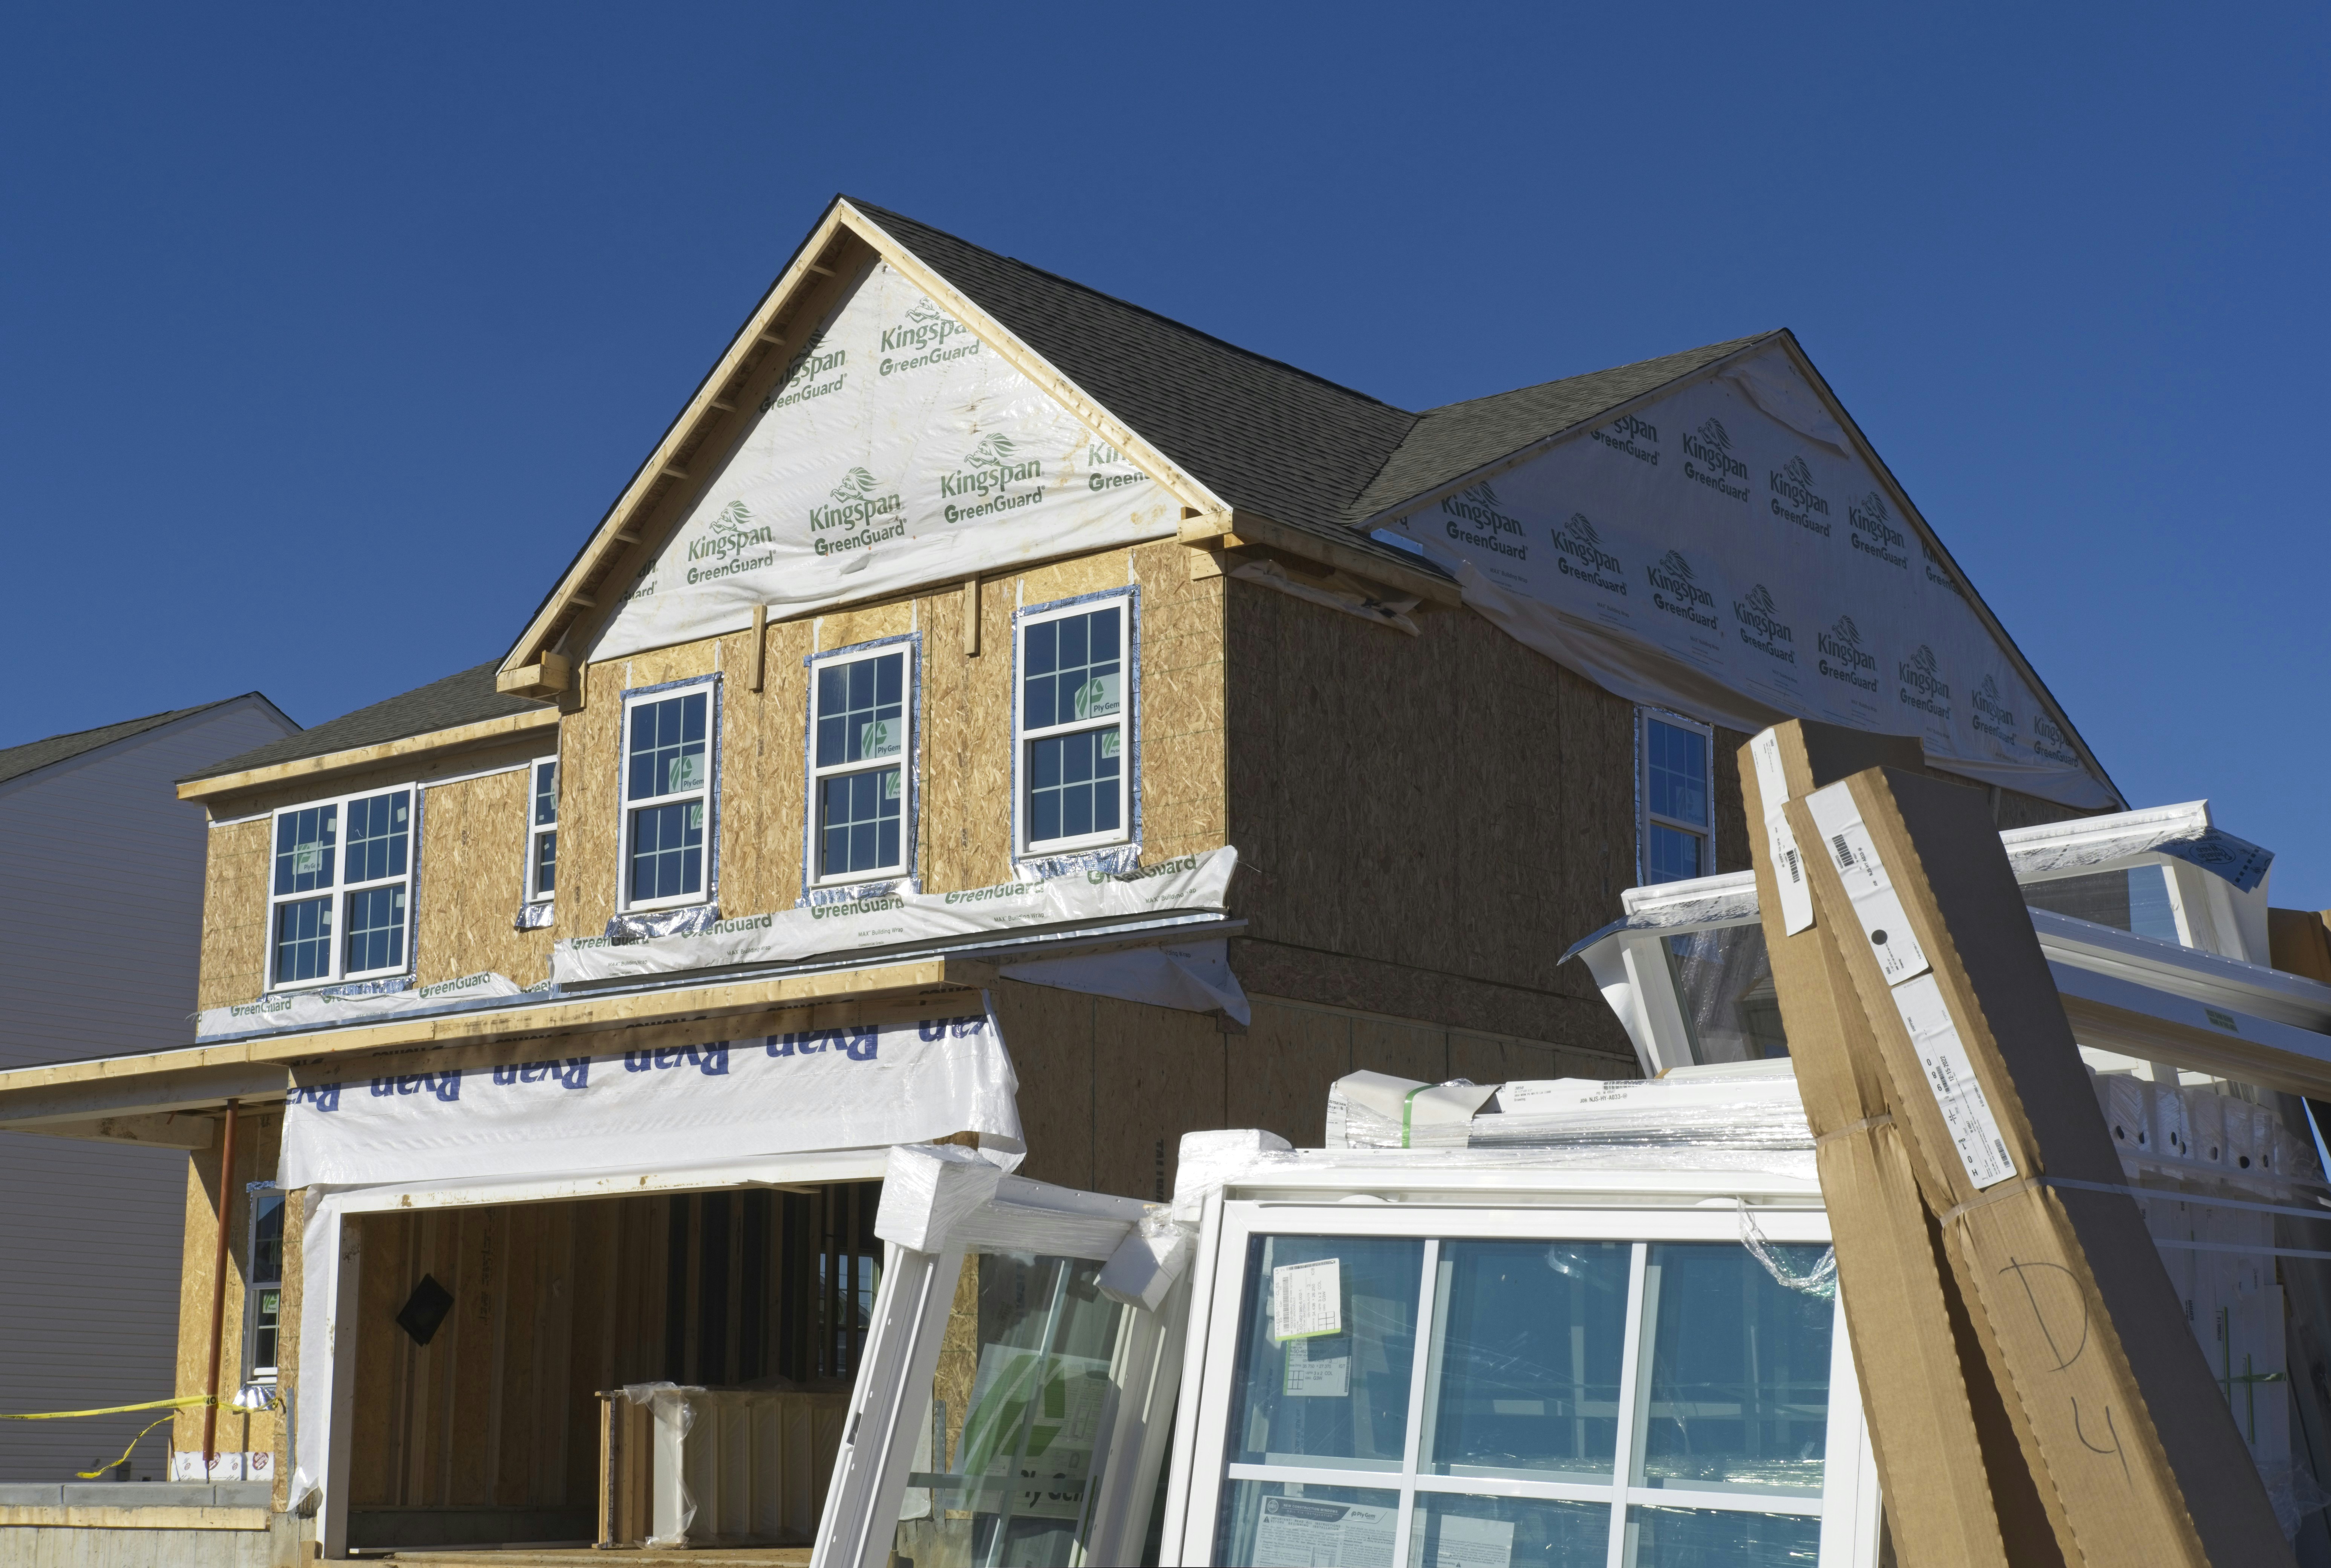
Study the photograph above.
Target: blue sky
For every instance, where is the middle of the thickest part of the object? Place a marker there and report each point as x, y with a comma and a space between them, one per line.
326, 334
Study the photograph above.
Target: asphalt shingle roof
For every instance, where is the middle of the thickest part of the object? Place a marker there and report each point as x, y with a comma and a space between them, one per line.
467, 697
1262, 434
34, 755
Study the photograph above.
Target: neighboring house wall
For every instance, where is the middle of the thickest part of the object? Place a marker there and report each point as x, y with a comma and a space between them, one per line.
100, 889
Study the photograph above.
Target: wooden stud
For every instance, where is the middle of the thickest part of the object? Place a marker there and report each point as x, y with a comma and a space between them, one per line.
582, 601
672, 471
721, 405
970, 617
760, 645
624, 536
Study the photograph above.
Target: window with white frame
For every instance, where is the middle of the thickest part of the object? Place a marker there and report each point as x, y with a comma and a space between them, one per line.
339, 893
861, 763
262, 1298
1676, 833
542, 832
1074, 781
1519, 1385
667, 796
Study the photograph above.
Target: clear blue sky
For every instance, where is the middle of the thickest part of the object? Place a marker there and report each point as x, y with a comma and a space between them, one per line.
327, 332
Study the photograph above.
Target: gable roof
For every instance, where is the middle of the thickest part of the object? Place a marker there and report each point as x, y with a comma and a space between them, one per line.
34, 755
466, 698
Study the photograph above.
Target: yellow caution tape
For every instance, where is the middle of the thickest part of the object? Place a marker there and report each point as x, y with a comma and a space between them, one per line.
94, 1475
115, 1410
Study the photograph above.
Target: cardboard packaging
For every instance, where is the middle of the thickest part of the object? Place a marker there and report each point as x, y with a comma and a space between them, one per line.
2130, 1440
1947, 1501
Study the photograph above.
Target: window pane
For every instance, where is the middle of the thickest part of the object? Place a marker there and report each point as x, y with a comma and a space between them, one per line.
375, 930
1072, 782
1528, 1338
1015, 1430
1452, 1532
1676, 771
1670, 855
1339, 1399
267, 1238
1739, 1370
858, 822
377, 832
267, 1316
1707, 1538
545, 863
303, 941
861, 710
1078, 674
546, 794
304, 848
667, 748
2135, 900
1724, 979
668, 850
1280, 1523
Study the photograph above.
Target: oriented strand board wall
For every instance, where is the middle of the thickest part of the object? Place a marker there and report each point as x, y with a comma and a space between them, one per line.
258, 1137
963, 837
234, 916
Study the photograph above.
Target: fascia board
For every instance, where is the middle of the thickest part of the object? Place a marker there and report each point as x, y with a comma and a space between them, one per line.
1901, 498
1568, 433
331, 763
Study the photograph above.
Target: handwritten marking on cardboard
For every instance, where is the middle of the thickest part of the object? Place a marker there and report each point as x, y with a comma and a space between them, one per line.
1788, 864
1307, 1300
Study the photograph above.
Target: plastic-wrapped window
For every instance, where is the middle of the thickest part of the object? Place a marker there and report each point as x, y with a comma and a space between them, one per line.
1724, 984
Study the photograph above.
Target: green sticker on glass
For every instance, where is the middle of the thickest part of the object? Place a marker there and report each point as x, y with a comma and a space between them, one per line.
890, 785
878, 737
1109, 742
1097, 698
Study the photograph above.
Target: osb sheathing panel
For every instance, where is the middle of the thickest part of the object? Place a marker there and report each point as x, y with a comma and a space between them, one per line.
963, 836
234, 916
257, 1140
1451, 802
473, 838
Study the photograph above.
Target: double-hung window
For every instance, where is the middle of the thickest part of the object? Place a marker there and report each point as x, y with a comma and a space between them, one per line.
1676, 829
1074, 663
1505, 1386
339, 893
667, 796
542, 832
262, 1298
861, 764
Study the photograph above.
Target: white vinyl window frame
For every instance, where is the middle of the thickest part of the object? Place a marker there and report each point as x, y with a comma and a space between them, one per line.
262, 1289
319, 874
890, 1402
1649, 822
1124, 717
904, 757
541, 831
701, 792
1848, 1506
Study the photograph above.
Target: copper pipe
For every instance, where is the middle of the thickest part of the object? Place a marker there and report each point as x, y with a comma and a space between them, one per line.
218, 1285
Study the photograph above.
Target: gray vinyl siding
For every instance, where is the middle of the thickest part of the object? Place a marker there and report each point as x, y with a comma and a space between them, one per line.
100, 922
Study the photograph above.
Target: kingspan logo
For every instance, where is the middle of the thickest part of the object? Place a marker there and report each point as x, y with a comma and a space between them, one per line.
929, 335
1674, 591
1474, 517
1794, 485
2049, 740
1579, 553
1707, 459
801, 380
1843, 658
1922, 684
1636, 438
1940, 575
730, 542
1874, 534
855, 507
1761, 626
989, 470
1991, 716
1110, 469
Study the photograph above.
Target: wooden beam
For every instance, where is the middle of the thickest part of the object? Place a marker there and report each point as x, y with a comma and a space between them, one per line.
1237, 529
157, 1131
439, 740
970, 617
760, 645
672, 471
545, 678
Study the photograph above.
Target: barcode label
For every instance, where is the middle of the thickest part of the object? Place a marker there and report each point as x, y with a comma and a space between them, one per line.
1844, 855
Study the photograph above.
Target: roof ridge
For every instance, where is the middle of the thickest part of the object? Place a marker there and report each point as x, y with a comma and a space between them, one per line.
1731, 345
138, 718
872, 211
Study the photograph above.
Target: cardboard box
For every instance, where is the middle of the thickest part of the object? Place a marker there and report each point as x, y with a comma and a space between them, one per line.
1943, 1499
2126, 1435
